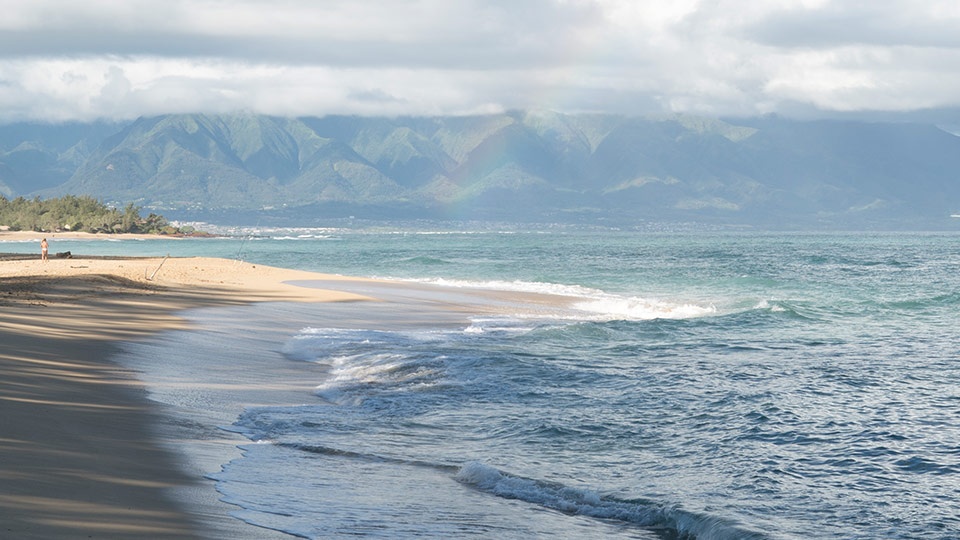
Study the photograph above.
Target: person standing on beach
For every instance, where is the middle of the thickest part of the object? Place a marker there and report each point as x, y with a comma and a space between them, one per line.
43, 249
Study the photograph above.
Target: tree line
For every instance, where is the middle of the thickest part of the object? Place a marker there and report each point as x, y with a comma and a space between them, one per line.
80, 213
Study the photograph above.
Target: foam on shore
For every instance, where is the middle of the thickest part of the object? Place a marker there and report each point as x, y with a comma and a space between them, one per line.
103, 464
79, 454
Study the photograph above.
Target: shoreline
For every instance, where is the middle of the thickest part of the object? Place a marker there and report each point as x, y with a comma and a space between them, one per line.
23, 236
83, 451
78, 455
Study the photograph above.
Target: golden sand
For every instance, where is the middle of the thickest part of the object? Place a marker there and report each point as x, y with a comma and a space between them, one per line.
77, 456
77, 459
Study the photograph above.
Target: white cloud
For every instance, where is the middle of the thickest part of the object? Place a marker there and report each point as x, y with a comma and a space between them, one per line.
121, 59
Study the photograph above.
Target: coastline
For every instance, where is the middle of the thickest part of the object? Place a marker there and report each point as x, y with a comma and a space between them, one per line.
31, 235
78, 457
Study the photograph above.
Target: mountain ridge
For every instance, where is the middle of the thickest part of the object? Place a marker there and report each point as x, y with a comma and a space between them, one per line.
516, 166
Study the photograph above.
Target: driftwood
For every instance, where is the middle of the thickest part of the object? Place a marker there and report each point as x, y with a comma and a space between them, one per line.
155, 271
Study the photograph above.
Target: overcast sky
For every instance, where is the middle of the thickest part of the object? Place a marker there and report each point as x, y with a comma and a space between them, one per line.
120, 59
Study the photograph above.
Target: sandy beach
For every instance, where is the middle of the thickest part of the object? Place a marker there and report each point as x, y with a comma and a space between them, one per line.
76, 457
32, 235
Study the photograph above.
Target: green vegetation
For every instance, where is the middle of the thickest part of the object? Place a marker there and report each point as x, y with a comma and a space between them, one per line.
83, 213
537, 166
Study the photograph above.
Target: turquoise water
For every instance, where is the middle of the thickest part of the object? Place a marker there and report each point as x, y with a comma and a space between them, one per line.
709, 385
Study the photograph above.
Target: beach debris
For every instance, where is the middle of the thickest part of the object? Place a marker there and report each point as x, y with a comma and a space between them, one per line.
157, 270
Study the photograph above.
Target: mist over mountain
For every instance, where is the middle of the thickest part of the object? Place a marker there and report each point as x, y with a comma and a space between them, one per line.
534, 166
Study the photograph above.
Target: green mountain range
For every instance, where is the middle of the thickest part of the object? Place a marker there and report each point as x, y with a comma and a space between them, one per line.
519, 166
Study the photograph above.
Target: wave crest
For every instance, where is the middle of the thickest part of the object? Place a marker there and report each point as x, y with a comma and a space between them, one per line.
640, 512
636, 308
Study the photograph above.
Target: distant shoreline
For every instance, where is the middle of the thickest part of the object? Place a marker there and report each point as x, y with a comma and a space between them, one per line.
31, 235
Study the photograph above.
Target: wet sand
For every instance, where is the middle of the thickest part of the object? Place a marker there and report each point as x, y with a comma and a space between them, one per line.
78, 457
80, 452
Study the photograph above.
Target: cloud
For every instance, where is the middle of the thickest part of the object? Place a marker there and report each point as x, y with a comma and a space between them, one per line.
121, 59
421, 33
884, 23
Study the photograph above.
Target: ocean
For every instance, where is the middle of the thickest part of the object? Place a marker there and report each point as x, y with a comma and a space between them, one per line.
703, 384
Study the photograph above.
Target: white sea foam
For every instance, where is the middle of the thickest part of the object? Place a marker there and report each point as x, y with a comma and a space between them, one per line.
302, 237
349, 371
763, 304
361, 359
595, 304
636, 308
513, 286
502, 325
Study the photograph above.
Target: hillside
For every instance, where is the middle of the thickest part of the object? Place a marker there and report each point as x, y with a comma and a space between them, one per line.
521, 166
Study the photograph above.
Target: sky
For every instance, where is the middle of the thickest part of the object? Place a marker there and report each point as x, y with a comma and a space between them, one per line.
122, 59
